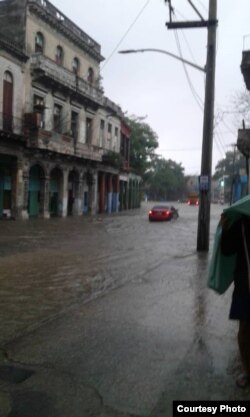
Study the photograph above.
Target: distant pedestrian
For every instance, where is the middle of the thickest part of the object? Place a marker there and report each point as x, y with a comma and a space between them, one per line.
235, 239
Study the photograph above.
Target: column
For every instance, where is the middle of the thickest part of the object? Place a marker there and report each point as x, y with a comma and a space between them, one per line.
116, 193
121, 187
44, 204
63, 200
15, 211
126, 196
93, 190
101, 192
109, 193
25, 189
77, 207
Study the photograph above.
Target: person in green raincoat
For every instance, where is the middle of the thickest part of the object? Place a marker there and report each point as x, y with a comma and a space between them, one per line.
235, 239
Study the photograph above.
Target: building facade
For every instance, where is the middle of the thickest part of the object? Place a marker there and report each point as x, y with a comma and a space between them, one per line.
242, 182
64, 146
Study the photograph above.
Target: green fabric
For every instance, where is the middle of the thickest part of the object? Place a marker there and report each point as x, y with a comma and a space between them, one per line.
240, 207
221, 268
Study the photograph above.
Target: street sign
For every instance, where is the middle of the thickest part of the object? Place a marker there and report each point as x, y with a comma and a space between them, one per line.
203, 183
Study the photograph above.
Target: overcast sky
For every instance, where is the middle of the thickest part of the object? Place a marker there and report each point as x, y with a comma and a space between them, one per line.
155, 85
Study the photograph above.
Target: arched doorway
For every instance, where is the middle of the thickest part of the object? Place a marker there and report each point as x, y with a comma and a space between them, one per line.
73, 183
55, 192
36, 176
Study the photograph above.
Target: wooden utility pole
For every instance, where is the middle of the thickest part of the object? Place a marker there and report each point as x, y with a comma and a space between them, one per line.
208, 121
207, 144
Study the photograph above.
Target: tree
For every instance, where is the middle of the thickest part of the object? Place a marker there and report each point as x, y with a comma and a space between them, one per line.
233, 162
143, 142
165, 180
241, 102
162, 179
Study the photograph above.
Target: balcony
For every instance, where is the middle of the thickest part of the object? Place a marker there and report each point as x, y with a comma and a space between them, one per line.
243, 142
52, 141
64, 145
113, 159
11, 126
245, 67
125, 166
112, 107
50, 72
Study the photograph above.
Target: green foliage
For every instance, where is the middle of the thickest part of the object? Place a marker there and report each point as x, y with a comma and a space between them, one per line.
162, 179
113, 158
233, 162
165, 180
143, 142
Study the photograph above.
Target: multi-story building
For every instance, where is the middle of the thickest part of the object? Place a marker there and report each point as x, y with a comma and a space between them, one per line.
242, 182
64, 146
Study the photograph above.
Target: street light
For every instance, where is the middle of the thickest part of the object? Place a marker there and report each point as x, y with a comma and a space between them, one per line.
207, 142
162, 51
208, 121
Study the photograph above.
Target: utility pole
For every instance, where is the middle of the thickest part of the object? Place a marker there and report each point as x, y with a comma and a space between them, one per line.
207, 143
208, 121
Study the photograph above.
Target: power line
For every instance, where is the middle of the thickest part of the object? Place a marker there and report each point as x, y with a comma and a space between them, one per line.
126, 33
193, 91
180, 150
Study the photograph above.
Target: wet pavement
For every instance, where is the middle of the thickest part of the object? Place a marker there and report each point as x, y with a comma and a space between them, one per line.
110, 316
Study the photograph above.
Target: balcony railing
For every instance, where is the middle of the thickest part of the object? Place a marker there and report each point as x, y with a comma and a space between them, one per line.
44, 7
50, 70
53, 141
10, 124
113, 107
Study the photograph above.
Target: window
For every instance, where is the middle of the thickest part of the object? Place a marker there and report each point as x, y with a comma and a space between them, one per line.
59, 55
109, 131
110, 135
74, 125
125, 147
8, 77
88, 130
102, 133
7, 101
38, 103
90, 75
39, 107
57, 118
76, 65
115, 145
39, 43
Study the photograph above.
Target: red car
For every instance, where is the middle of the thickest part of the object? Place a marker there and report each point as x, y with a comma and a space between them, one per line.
160, 213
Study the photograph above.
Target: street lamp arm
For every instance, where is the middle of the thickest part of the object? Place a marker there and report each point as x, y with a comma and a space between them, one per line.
162, 51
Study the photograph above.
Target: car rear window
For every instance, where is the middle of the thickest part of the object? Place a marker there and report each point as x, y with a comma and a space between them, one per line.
160, 208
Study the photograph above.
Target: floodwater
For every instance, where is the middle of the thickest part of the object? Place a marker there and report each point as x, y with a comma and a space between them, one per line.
49, 265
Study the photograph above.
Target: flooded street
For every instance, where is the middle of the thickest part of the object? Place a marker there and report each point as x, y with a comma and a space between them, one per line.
152, 332
47, 266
